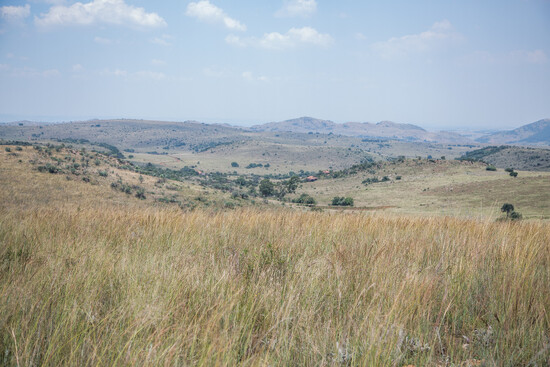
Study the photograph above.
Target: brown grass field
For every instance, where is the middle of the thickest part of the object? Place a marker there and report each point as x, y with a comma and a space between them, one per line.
92, 277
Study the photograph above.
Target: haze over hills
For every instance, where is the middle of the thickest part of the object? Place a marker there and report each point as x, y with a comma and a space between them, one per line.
536, 133
136, 132
383, 129
128, 133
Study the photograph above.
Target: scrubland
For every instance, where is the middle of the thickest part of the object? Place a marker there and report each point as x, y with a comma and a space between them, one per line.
112, 286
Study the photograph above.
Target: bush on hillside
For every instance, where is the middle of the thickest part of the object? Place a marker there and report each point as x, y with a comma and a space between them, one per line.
342, 201
305, 199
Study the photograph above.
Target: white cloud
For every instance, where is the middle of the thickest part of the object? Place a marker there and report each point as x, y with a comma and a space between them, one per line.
235, 41
162, 41
531, 57
77, 68
12, 56
213, 72
15, 13
249, 76
119, 73
360, 36
208, 12
297, 8
103, 41
132, 76
277, 41
146, 74
99, 12
50, 73
27, 72
440, 33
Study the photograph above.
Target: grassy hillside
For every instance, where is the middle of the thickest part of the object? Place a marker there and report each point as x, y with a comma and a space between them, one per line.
438, 187
536, 133
214, 147
157, 287
523, 158
128, 134
54, 176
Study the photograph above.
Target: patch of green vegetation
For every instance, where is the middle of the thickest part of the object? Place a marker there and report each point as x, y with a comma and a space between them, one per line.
305, 199
342, 201
481, 154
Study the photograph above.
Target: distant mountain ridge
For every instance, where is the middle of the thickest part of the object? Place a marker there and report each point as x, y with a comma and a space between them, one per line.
383, 129
536, 133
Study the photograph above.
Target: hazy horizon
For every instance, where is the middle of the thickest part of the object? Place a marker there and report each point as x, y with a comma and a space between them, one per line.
245, 124
439, 65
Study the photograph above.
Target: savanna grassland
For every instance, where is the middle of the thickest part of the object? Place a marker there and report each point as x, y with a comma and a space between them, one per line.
92, 275
109, 286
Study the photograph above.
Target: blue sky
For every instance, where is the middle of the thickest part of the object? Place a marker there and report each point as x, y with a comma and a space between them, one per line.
441, 64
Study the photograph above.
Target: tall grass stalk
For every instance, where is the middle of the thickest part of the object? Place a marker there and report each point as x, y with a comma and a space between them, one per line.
248, 287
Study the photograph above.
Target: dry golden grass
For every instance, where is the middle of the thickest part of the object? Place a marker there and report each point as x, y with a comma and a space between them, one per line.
91, 276
106, 286
23, 186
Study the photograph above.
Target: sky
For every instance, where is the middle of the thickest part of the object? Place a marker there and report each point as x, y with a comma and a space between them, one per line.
440, 64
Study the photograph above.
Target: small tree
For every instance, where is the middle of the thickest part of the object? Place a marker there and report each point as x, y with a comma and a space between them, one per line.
292, 184
234, 164
514, 174
267, 188
508, 209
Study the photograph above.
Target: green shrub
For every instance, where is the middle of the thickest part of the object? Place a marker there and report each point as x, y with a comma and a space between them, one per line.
490, 168
234, 164
342, 201
305, 199
140, 193
48, 168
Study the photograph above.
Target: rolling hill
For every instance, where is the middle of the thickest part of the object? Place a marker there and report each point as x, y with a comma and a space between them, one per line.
129, 134
383, 129
536, 133
505, 156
